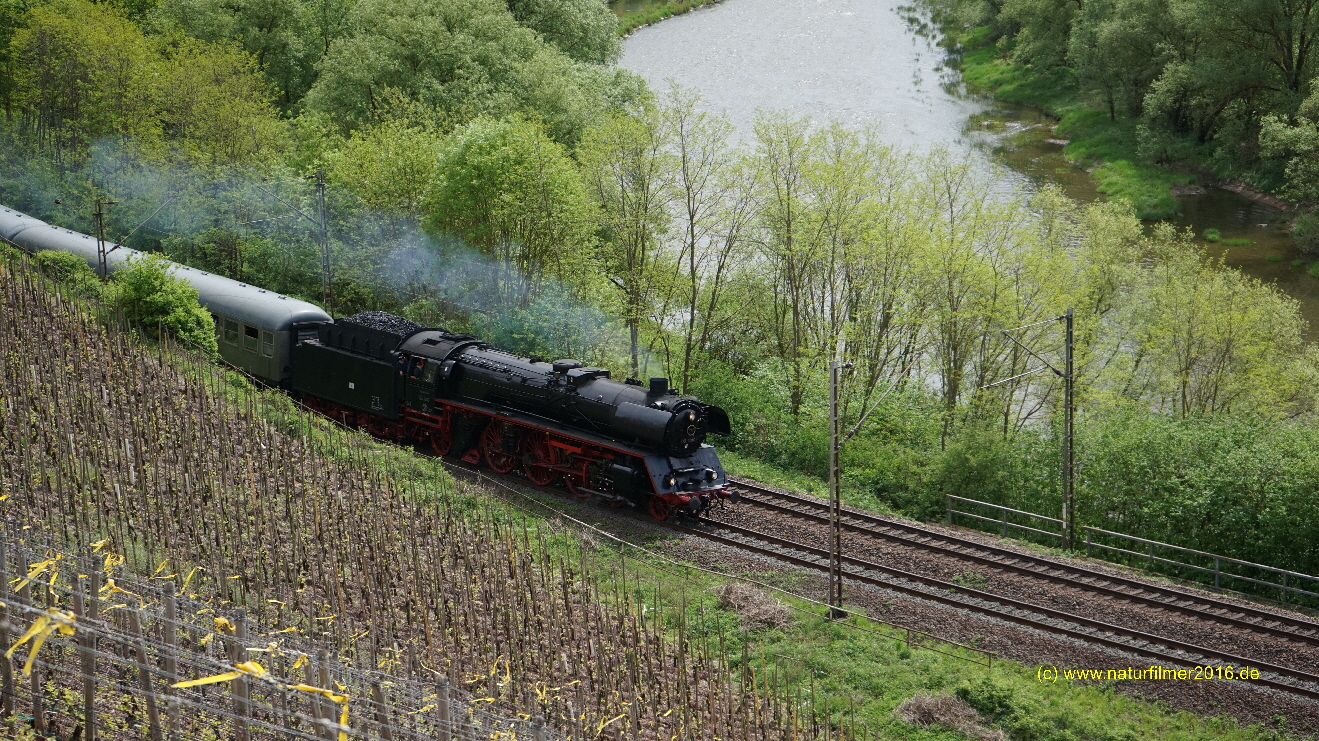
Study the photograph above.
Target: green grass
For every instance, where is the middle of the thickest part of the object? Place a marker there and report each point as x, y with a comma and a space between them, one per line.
1238, 242
1213, 235
656, 12
863, 669
1313, 270
767, 473
1108, 147
1271, 257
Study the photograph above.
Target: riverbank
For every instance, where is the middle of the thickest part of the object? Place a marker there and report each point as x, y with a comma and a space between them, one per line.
634, 15
1107, 148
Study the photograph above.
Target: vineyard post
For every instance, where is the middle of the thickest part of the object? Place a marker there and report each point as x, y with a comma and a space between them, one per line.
89, 657
382, 718
327, 710
144, 674
79, 614
237, 647
6, 666
25, 599
316, 716
38, 702
171, 667
442, 706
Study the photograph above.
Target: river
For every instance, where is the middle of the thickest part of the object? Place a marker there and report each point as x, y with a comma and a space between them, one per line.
873, 62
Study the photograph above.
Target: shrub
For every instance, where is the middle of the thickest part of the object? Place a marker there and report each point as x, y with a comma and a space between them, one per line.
151, 297
988, 698
1306, 231
1313, 269
1213, 235
70, 270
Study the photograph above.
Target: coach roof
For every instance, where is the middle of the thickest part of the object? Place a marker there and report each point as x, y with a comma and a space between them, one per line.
221, 295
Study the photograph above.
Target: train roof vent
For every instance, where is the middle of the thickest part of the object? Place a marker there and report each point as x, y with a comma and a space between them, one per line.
563, 366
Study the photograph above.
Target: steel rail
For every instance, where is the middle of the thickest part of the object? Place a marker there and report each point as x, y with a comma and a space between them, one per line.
1142, 644
1080, 578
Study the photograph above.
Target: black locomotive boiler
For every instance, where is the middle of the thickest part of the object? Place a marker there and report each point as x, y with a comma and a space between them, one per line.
626, 443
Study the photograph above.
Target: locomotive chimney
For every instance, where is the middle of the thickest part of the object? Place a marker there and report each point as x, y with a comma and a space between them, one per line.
659, 386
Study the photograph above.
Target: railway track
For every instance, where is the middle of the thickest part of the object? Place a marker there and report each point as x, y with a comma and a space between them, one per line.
1167, 652
1106, 585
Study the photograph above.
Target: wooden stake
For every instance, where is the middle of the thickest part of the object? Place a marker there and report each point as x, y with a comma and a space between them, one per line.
144, 675
6, 666
237, 649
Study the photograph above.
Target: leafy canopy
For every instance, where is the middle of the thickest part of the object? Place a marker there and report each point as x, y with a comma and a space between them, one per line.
150, 296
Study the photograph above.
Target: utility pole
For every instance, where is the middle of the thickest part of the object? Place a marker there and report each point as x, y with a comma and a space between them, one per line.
98, 216
1069, 419
1068, 376
327, 287
835, 499
320, 221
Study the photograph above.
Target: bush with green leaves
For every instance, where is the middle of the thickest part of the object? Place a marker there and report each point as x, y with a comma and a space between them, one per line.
71, 271
1306, 232
149, 296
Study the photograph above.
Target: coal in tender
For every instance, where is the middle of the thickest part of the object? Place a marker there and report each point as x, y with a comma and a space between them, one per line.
383, 321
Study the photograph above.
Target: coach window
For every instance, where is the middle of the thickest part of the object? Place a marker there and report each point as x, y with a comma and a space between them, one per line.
250, 335
268, 344
231, 332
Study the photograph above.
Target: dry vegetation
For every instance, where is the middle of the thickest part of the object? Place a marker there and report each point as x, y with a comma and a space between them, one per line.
326, 532
951, 712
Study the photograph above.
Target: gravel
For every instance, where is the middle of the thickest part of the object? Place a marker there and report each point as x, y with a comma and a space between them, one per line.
1030, 646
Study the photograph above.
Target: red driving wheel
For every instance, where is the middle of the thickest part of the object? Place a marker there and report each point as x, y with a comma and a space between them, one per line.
539, 459
492, 447
441, 442
659, 509
576, 485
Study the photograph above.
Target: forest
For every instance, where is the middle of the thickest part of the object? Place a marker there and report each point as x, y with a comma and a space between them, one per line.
490, 169
1227, 89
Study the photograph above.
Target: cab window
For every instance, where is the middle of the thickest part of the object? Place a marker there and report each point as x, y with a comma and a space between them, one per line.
431, 373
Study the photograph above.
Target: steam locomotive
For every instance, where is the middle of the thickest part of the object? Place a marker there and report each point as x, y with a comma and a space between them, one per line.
557, 423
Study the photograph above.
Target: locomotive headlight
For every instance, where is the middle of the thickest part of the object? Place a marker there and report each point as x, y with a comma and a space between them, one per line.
710, 474
670, 481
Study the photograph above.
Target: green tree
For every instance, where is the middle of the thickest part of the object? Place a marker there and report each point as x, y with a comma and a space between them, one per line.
147, 293
1297, 142
84, 71
389, 166
784, 150
1281, 33
508, 189
465, 58
286, 37
1043, 29
626, 167
586, 30
713, 189
215, 107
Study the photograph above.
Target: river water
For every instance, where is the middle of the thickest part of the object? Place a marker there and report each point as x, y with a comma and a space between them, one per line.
875, 62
